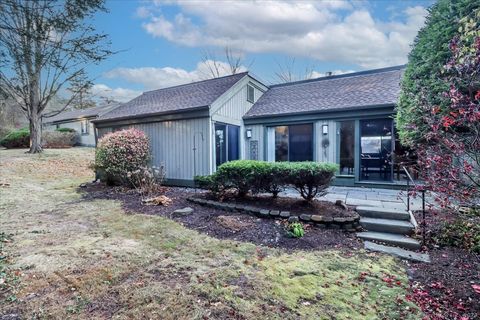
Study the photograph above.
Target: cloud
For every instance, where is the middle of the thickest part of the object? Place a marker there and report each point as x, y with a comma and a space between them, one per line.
118, 94
156, 78
332, 31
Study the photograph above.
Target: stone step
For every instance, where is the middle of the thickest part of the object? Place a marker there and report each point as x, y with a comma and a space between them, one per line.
387, 225
390, 239
383, 213
401, 253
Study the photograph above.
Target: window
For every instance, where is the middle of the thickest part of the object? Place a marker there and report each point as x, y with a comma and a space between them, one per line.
250, 94
85, 125
294, 143
347, 147
226, 143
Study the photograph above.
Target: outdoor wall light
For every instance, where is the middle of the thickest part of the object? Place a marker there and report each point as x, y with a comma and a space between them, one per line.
325, 129
248, 133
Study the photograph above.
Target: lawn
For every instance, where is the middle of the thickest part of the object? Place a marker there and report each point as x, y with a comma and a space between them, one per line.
66, 256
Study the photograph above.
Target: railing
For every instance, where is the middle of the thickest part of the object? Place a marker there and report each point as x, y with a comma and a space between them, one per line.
421, 189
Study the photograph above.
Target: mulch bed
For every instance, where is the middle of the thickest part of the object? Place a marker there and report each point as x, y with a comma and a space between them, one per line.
443, 288
231, 225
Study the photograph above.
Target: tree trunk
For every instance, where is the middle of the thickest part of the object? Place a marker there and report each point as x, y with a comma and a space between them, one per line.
35, 133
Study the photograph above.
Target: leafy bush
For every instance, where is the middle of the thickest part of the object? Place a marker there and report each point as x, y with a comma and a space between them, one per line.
65, 130
295, 230
121, 152
463, 233
16, 139
59, 139
309, 178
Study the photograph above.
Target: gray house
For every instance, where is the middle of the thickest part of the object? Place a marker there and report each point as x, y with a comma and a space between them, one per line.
80, 121
345, 119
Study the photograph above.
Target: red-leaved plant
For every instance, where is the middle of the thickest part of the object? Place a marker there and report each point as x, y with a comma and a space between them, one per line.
120, 153
450, 158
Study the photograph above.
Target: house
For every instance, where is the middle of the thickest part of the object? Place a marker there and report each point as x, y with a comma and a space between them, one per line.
80, 120
345, 119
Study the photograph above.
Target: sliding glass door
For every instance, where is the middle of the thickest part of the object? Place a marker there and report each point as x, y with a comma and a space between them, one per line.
226, 143
376, 150
346, 130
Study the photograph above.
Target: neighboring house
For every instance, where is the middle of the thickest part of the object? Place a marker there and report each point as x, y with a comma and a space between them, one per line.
80, 120
345, 119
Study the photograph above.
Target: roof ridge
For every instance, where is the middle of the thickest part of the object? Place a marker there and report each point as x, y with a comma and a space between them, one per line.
195, 82
345, 75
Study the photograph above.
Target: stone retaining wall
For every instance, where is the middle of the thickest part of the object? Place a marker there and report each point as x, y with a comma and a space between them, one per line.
346, 223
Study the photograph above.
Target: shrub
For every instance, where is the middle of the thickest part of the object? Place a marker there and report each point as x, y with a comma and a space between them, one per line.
310, 178
462, 233
16, 139
146, 180
59, 139
296, 230
121, 152
65, 130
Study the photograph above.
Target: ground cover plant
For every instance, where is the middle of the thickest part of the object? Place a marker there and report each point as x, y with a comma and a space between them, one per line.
84, 257
16, 139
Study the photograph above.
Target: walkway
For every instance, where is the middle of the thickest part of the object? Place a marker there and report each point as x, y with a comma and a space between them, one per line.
359, 196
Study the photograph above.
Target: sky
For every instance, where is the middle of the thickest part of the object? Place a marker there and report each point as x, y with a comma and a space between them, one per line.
164, 43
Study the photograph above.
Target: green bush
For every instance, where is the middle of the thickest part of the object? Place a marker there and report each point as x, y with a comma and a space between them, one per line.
16, 139
65, 130
462, 233
309, 178
120, 153
59, 139
296, 230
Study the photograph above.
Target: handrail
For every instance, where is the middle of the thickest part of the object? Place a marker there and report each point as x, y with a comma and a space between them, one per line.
424, 224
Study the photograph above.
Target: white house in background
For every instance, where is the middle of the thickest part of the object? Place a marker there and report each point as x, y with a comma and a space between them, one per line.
80, 121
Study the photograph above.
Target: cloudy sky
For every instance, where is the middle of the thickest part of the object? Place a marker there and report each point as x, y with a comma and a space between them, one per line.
164, 43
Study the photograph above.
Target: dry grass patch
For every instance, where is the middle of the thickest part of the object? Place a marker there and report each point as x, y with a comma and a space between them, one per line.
88, 259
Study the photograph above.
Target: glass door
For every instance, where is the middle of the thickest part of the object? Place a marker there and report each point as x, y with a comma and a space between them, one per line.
227, 143
376, 150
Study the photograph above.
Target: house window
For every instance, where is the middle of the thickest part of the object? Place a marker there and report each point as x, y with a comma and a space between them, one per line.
250, 94
85, 126
226, 143
294, 143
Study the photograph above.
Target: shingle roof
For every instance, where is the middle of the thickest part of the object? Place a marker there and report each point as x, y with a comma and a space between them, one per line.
80, 114
348, 91
174, 99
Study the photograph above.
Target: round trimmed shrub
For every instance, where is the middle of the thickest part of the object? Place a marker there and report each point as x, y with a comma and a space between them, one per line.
120, 153
16, 139
65, 130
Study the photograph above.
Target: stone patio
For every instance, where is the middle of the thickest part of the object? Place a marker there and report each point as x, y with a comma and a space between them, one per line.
359, 196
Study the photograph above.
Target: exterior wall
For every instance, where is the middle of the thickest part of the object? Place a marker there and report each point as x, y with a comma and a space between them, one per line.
230, 109
172, 146
85, 139
323, 151
255, 146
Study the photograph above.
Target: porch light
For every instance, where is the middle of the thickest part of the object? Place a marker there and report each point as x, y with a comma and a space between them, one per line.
325, 129
248, 133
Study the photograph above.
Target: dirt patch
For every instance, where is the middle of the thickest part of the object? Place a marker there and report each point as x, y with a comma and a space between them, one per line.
443, 288
237, 226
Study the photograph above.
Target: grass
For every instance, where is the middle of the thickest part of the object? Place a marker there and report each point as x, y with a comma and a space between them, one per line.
88, 259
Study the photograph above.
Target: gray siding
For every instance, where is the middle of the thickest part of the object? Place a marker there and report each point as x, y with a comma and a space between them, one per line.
172, 145
328, 154
258, 133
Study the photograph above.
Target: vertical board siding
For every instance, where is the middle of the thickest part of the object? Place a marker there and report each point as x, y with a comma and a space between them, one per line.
328, 154
258, 132
171, 144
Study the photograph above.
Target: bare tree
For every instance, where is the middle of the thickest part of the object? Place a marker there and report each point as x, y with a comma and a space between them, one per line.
44, 45
80, 88
287, 71
232, 62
